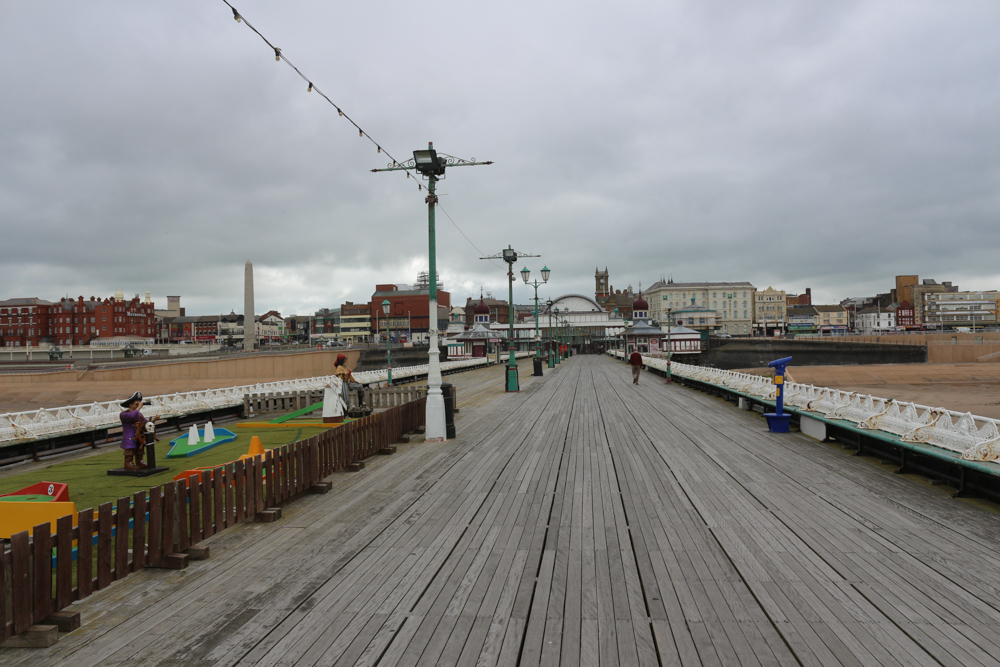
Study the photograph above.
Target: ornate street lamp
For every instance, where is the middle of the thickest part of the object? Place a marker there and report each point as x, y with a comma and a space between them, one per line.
388, 336
670, 348
510, 256
431, 165
557, 338
525, 274
552, 361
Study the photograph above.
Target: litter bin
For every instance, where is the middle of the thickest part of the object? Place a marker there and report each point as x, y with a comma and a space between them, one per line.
449, 410
538, 366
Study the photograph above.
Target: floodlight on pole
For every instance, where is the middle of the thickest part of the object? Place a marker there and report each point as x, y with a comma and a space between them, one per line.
510, 256
388, 337
431, 165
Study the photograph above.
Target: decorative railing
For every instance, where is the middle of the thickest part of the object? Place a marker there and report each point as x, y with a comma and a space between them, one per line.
43, 573
975, 438
31, 425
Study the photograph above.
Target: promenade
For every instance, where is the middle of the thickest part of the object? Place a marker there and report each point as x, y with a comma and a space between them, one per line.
581, 521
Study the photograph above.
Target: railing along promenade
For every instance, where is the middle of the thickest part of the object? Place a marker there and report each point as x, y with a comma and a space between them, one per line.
47, 423
42, 573
958, 447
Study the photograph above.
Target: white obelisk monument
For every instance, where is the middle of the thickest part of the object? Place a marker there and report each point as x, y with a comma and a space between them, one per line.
249, 324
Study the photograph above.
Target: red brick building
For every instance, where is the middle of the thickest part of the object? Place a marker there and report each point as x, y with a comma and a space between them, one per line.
198, 329
37, 322
499, 310
25, 321
906, 315
408, 310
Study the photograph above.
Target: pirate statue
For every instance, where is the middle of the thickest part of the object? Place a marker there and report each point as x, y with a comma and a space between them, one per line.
135, 431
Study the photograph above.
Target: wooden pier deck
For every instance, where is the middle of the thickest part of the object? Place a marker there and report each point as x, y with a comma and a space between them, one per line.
582, 521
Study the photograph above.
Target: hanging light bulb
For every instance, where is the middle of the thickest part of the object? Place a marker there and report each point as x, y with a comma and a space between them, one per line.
361, 133
340, 112
236, 15
379, 148
310, 88
277, 54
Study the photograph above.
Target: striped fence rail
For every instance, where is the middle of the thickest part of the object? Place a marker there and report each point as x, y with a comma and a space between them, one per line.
42, 573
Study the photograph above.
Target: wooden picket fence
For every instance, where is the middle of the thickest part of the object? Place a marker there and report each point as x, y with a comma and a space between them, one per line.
150, 530
283, 402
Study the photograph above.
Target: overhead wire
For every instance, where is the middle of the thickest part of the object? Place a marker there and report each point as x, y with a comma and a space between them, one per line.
280, 56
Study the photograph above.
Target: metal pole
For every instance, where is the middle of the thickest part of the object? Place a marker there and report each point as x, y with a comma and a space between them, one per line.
511, 383
670, 347
552, 361
538, 340
435, 429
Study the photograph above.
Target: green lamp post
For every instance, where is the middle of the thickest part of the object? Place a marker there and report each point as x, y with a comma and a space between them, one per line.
510, 256
525, 274
431, 165
557, 339
552, 361
565, 335
670, 348
388, 337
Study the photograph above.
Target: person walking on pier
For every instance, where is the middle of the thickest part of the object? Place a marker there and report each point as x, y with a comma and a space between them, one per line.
635, 361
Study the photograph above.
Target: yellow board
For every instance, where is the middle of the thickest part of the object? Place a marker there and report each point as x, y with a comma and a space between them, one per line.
779, 379
15, 517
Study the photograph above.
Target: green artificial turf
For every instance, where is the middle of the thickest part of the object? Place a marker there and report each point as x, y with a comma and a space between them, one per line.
90, 485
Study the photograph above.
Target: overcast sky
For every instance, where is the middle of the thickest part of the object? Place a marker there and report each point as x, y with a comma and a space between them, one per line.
831, 145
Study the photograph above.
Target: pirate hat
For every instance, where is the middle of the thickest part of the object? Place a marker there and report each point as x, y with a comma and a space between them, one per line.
137, 396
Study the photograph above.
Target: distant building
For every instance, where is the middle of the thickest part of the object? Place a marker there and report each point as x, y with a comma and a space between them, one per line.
951, 310
194, 329
33, 321
926, 286
770, 316
499, 310
804, 299
609, 299
832, 320
724, 306
803, 319
875, 320
355, 322
905, 315
326, 324
409, 314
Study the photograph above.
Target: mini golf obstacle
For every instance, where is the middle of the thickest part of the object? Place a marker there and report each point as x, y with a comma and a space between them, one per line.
44, 502
199, 440
256, 449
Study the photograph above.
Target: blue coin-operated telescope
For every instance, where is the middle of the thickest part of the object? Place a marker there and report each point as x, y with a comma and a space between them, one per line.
777, 421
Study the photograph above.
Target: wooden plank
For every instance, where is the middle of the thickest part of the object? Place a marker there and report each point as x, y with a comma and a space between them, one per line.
138, 531
123, 512
155, 551
219, 499
104, 545
239, 491
21, 589
84, 553
64, 563
182, 496
6, 627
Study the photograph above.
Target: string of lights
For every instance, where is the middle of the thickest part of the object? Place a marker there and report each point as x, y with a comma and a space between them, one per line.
279, 56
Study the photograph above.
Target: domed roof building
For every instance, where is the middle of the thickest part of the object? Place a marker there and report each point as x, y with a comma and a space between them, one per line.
640, 309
